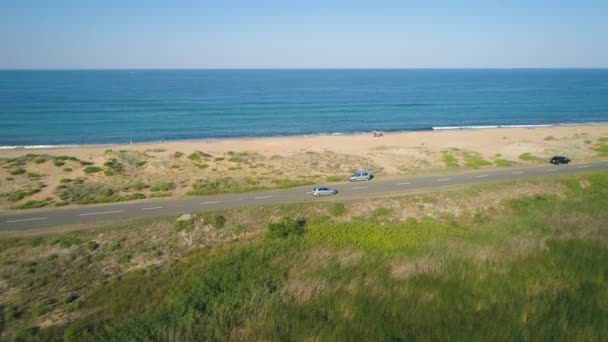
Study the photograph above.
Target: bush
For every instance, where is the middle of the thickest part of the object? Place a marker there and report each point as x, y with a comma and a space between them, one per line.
333, 178
67, 169
44, 307
180, 225
33, 204
528, 156
166, 186
16, 172
67, 241
40, 161
92, 245
58, 163
285, 228
20, 194
124, 259
33, 175
178, 155
216, 220
337, 209
92, 169
139, 185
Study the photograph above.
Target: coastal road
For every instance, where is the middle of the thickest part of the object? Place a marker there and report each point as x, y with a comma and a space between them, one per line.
39, 219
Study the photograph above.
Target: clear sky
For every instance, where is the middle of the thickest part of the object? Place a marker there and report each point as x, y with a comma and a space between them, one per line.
105, 34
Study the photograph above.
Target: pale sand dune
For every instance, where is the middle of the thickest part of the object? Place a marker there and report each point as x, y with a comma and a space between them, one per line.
309, 159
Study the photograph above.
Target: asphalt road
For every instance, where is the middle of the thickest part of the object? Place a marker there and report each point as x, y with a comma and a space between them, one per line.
38, 219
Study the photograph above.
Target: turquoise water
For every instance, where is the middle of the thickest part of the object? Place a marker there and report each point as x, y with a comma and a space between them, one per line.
122, 106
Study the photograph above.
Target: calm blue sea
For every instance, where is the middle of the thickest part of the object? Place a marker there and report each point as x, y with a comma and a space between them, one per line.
122, 106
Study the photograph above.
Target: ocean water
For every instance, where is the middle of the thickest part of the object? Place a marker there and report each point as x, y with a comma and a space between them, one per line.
123, 106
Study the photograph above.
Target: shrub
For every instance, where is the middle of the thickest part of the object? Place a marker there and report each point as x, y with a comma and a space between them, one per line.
86, 163
67, 169
503, 162
449, 160
124, 259
43, 307
337, 209
178, 155
33, 175
92, 169
114, 165
333, 178
20, 194
180, 225
58, 163
92, 245
16, 172
160, 194
139, 185
163, 186
141, 163
35, 204
67, 241
40, 160
216, 220
528, 156
285, 228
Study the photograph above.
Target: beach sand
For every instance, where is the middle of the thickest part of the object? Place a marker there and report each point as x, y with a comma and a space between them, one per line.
286, 161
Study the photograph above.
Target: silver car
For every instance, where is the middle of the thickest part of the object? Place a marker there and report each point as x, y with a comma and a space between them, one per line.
360, 176
323, 191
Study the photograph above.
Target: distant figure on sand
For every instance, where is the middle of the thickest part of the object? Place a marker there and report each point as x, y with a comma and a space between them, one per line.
378, 134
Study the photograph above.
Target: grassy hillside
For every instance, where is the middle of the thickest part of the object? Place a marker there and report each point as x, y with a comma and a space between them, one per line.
531, 266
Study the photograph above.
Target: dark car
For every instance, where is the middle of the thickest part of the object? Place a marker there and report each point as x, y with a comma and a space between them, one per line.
557, 160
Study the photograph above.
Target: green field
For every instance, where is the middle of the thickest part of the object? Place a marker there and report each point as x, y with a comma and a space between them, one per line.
531, 267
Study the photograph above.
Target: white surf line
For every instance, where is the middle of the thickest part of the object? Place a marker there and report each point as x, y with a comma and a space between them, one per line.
549, 170
262, 197
30, 219
582, 166
404, 183
444, 179
211, 202
102, 213
517, 172
360, 187
151, 208
481, 176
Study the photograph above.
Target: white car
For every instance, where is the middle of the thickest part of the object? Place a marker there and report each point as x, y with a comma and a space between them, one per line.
323, 191
360, 176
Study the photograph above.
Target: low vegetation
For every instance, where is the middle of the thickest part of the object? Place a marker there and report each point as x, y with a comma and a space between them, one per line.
523, 260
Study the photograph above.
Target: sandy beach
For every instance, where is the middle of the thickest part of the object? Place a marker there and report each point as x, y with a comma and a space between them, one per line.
173, 168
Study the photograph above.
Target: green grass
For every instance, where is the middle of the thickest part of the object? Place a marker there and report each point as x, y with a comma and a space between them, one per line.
92, 169
533, 269
79, 192
503, 163
333, 178
20, 194
529, 157
449, 160
17, 172
33, 204
165, 186
215, 186
474, 160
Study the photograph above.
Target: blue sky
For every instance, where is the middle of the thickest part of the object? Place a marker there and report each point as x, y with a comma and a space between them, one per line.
60, 34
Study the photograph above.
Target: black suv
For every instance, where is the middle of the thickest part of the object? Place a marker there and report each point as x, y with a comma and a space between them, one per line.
559, 160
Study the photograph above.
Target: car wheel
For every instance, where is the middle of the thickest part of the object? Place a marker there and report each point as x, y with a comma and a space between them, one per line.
317, 195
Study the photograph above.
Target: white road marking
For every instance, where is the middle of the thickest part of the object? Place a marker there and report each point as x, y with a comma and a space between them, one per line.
404, 183
444, 179
582, 166
481, 176
262, 197
151, 208
30, 219
517, 172
102, 213
359, 187
549, 170
211, 202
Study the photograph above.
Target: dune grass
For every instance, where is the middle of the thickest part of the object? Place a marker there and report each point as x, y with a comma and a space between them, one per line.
533, 269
